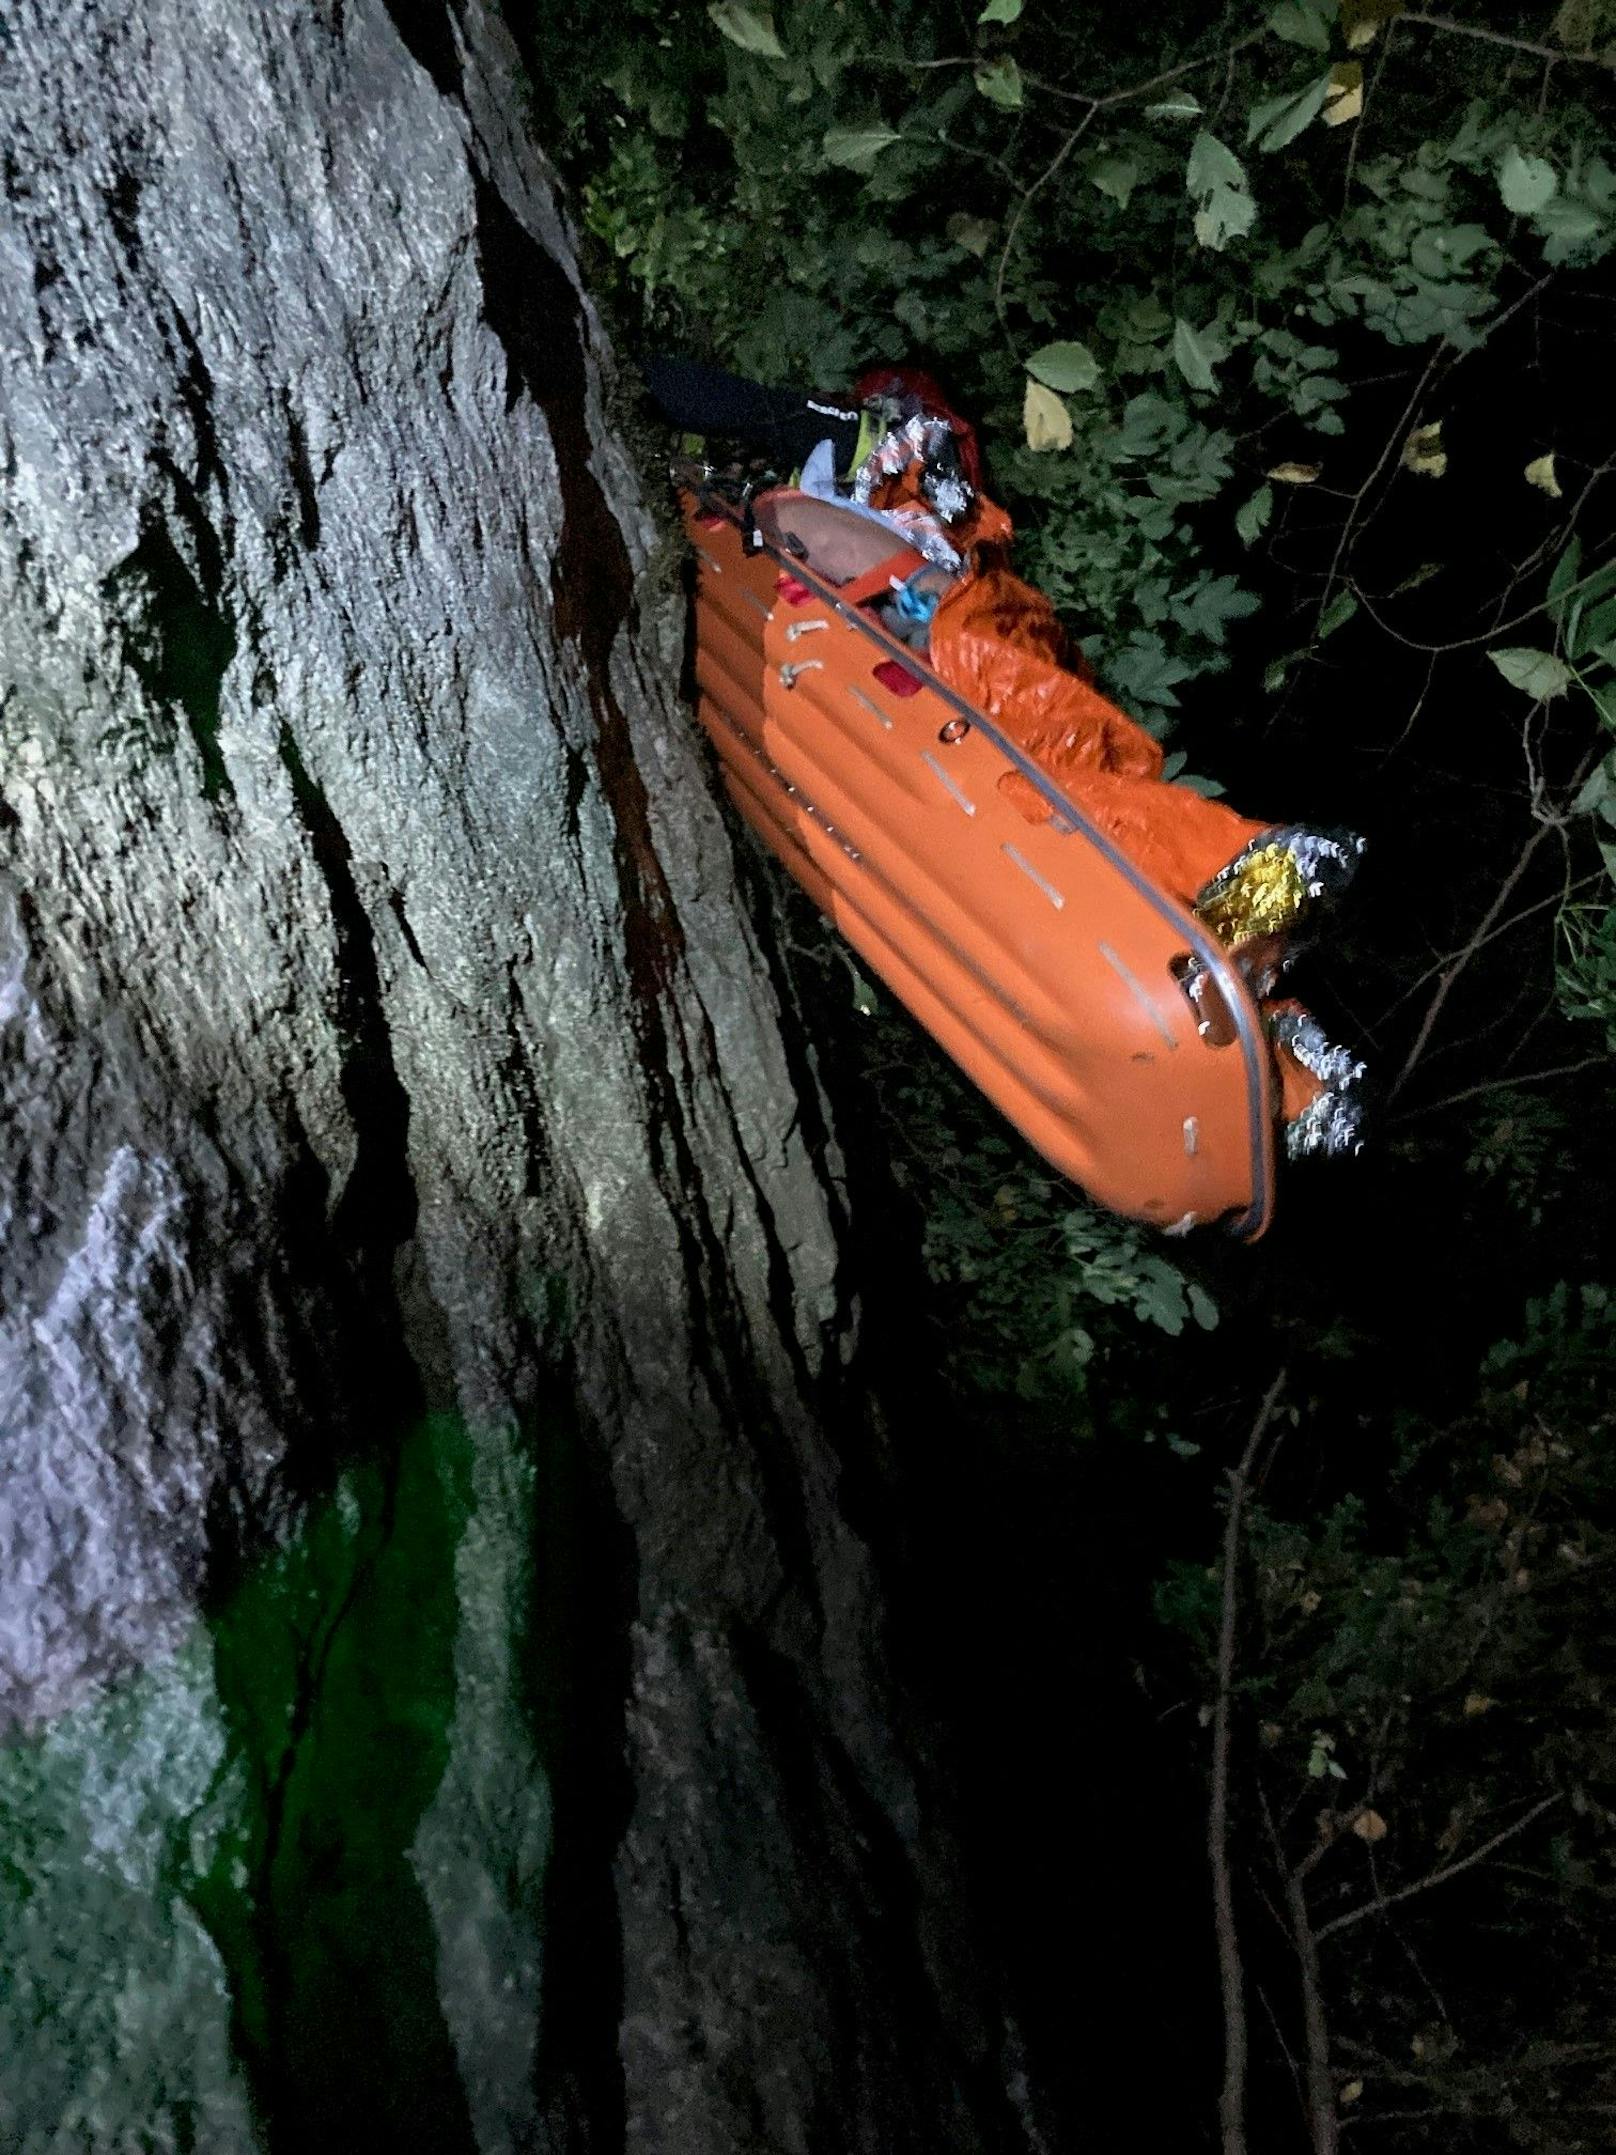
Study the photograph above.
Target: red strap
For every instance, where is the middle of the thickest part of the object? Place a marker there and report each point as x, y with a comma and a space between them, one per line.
876, 582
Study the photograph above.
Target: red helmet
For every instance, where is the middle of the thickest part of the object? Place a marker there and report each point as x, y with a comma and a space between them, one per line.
887, 381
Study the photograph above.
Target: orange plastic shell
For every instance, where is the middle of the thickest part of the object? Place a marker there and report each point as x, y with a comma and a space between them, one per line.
1044, 961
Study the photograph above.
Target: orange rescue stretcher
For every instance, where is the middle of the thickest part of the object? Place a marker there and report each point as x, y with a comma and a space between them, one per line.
1046, 963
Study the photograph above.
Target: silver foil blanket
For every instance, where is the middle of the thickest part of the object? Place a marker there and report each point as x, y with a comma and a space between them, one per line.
1332, 1124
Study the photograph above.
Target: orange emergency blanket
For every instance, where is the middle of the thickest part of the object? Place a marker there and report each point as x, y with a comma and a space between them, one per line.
998, 642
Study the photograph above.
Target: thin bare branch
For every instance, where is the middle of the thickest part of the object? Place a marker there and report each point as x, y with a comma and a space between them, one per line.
1317, 2092
1504, 927
1393, 439
1534, 1077
1499, 628
1370, 102
1447, 25
1451, 973
1439, 1877
1232, 2100
1151, 82
1025, 204
1187, 67
1323, 2122
1548, 825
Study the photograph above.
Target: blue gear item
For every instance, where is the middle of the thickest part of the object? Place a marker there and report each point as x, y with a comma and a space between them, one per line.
914, 602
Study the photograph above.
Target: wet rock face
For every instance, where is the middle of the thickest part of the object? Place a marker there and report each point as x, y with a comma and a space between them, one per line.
417, 1296
336, 908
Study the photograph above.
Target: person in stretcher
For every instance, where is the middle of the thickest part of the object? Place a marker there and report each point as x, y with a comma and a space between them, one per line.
888, 502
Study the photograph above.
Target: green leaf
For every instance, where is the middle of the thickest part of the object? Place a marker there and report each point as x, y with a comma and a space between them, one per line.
1225, 217
1149, 423
1304, 22
749, 27
1538, 673
999, 11
1067, 366
1314, 392
1193, 360
1252, 517
1116, 177
1212, 164
1204, 1310
1214, 603
1428, 186
1567, 571
911, 310
1000, 82
1566, 226
1591, 623
1216, 180
789, 336
1159, 1296
1145, 672
1447, 248
974, 234
1180, 106
1526, 183
857, 148
827, 63
1337, 614
1282, 118
1596, 790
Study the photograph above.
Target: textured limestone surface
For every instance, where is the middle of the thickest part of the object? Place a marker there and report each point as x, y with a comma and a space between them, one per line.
443, 1692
